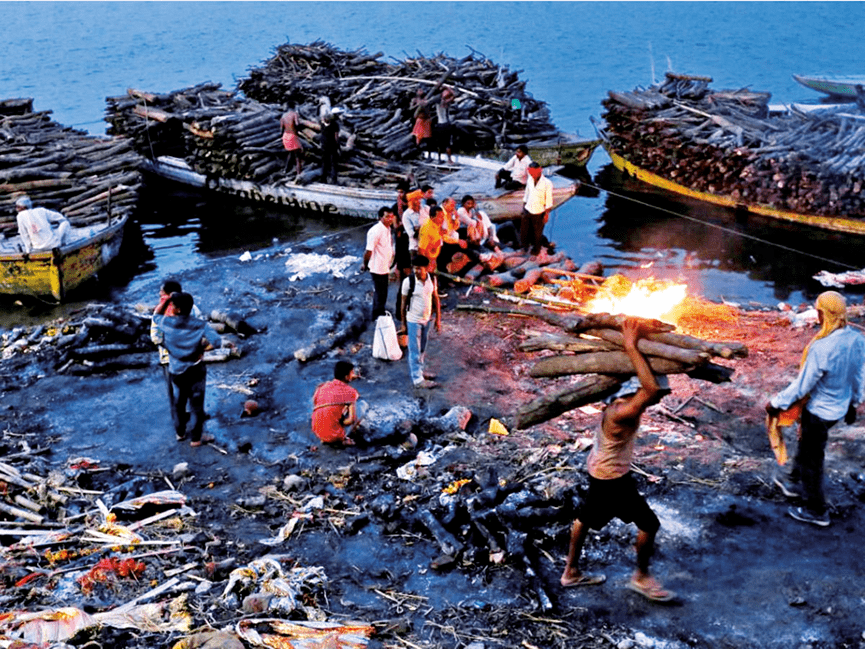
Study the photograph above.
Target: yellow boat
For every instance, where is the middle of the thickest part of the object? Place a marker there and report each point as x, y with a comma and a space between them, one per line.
58, 271
833, 223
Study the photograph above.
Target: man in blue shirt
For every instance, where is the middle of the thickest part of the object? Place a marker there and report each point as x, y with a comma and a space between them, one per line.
186, 338
829, 387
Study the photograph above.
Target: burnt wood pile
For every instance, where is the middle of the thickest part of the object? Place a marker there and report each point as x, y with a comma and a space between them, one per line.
724, 142
491, 108
61, 168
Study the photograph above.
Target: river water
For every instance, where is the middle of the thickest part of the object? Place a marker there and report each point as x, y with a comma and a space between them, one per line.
69, 56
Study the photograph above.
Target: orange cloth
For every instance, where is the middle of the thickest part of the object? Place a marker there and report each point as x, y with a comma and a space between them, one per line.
329, 404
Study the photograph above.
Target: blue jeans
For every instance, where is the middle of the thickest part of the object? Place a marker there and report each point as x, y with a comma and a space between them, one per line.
190, 391
418, 334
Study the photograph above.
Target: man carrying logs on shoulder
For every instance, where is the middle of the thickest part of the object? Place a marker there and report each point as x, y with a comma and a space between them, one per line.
612, 489
290, 140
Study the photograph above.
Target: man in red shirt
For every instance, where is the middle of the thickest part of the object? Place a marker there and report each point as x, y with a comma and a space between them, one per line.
334, 406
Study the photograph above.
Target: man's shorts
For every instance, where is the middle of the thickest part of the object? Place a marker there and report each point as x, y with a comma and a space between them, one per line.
617, 498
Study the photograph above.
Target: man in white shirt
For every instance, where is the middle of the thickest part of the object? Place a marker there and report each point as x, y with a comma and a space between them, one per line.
377, 258
412, 218
420, 303
515, 173
35, 226
536, 211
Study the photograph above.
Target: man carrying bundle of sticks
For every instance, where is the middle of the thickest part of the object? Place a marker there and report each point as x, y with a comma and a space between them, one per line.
612, 490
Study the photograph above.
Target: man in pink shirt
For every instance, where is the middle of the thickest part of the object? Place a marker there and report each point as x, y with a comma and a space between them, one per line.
334, 406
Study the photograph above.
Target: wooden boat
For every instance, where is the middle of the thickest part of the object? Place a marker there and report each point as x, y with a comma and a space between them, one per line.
834, 86
467, 175
833, 223
567, 149
58, 271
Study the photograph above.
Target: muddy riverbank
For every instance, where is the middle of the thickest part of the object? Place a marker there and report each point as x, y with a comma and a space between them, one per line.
747, 575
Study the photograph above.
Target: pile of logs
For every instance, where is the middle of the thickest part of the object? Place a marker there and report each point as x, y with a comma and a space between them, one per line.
724, 142
63, 169
491, 110
591, 346
226, 134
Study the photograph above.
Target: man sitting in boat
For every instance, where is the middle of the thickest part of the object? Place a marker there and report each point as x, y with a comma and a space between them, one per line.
514, 174
35, 226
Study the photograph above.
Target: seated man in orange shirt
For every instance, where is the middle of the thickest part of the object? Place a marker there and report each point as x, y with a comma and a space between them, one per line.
335, 406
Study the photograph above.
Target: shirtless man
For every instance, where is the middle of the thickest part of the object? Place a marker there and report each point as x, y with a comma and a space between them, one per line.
289, 122
612, 490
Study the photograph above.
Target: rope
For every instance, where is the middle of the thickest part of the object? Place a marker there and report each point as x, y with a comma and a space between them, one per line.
723, 228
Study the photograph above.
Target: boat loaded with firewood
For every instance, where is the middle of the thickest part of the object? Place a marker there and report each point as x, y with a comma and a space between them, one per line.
92, 181
724, 147
232, 143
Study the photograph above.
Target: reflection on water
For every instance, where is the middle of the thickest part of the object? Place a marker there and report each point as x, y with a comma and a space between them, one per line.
720, 252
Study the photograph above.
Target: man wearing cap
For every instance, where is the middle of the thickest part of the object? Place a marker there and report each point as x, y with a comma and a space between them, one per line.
329, 146
828, 388
612, 490
35, 226
412, 218
538, 201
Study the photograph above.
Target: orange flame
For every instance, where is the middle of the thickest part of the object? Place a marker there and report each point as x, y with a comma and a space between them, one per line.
646, 298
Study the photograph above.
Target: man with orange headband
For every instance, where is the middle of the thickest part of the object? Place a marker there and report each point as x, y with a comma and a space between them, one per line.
829, 387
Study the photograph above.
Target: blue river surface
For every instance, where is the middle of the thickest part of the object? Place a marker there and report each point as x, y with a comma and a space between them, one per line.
69, 56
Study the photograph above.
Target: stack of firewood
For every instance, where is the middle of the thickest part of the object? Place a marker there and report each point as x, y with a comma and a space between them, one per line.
591, 346
61, 168
724, 142
491, 109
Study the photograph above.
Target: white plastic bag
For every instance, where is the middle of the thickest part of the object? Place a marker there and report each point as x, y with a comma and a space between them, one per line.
385, 344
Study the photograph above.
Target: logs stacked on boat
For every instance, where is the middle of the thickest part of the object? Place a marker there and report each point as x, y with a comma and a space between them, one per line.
723, 142
491, 108
222, 135
592, 345
61, 168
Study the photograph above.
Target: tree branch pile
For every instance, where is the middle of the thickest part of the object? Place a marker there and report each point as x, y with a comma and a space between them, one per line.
492, 108
724, 142
61, 168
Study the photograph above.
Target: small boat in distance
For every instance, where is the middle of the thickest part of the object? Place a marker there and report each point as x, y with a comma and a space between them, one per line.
58, 271
475, 176
834, 86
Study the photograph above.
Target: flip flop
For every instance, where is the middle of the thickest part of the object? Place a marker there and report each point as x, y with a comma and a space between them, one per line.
652, 593
205, 439
585, 580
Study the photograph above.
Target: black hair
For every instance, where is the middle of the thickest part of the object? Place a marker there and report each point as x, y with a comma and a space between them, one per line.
534, 165
431, 202
385, 210
434, 210
182, 302
170, 286
342, 369
523, 148
426, 188
419, 261
467, 198
403, 185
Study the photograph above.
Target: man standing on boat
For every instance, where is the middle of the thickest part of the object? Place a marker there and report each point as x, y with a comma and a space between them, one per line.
514, 175
35, 226
377, 258
536, 211
330, 146
828, 388
289, 122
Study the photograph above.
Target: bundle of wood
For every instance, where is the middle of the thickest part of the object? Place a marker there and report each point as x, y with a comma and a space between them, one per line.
491, 108
63, 169
221, 134
725, 142
592, 345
